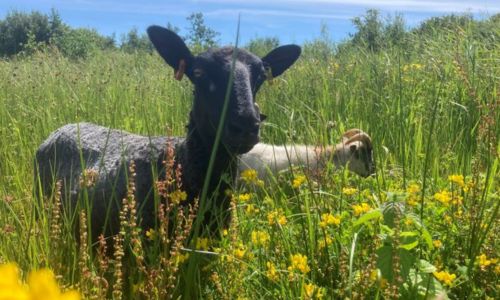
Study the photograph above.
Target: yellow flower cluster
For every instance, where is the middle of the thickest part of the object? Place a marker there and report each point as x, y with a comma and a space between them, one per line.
41, 285
298, 181
178, 196
251, 209
151, 234
445, 277
409, 67
444, 197
329, 219
260, 238
276, 217
457, 179
312, 291
349, 191
240, 251
437, 243
361, 208
244, 197
271, 272
322, 243
202, 243
180, 258
299, 263
250, 176
484, 262
412, 190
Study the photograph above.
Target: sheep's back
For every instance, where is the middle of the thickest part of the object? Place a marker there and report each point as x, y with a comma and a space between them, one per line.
107, 154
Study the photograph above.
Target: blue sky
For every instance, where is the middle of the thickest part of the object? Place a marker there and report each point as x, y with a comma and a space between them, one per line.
289, 20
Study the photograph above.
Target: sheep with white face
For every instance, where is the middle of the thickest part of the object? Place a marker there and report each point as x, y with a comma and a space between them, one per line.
355, 151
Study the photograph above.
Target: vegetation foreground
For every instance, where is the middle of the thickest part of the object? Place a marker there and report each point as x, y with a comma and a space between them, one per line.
424, 227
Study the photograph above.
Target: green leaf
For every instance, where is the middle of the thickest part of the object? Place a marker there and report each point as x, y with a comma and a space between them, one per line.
425, 233
425, 266
374, 214
385, 262
410, 245
408, 233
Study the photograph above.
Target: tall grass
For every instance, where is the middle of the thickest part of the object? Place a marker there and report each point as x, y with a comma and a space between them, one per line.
431, 114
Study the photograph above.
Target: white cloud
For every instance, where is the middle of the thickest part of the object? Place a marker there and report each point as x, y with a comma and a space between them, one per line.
397, 5
270, 12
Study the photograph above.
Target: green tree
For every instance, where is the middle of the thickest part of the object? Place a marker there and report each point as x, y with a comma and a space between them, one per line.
369, 30
321, 47
19, 28
395, 33
200, 36
262, 46
81, 42
133, 42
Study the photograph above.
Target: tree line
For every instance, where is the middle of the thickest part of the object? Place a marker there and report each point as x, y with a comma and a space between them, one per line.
23, 33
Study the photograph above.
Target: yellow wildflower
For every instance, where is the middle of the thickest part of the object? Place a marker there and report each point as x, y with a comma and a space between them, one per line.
437, 243
42, 284
349, 191
445, 277
329, 219
276, 217
309, 289
271, 272
178, 196
416, 66
250, 176
444, 197
250, 209
483, 261
298, 181
202, 243
457, 179
413, 188
240, 251
361, 208
412, 200
151, 234
447, 219
299, 262
260, 238
457, 200
468, 186
180, 258
244, 197
374, 275
322, 243
10, 285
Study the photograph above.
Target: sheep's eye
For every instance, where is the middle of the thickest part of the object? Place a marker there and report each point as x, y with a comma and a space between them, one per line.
198, 73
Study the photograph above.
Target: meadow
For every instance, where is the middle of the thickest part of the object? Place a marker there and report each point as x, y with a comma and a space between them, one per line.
423, 227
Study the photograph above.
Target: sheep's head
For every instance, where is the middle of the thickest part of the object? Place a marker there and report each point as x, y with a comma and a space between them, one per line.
356, 151
210, 73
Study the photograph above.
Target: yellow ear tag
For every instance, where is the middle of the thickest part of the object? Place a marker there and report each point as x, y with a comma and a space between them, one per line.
269, 75
180, 70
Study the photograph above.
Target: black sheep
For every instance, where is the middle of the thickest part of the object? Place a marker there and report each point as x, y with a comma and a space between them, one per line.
109, 152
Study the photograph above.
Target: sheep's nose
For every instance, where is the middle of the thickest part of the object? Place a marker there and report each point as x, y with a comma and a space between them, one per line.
244, 127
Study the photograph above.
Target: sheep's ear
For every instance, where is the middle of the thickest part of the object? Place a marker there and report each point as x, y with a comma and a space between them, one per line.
281, 58
172, 49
